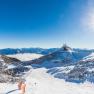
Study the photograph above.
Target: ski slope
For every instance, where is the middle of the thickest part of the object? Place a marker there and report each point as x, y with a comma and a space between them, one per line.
40, 82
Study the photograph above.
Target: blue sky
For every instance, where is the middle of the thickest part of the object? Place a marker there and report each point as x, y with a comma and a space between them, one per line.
46, 23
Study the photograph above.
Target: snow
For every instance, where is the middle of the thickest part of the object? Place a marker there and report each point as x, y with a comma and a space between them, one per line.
11, 66
89, 57
38, 81
90, 69
1, 60
26, 56
57, 70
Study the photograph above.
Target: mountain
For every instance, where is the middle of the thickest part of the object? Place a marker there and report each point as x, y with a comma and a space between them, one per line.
63, 56
10, 51
63, 63
10, 68
69, 64
9, 60
83, 70
79, 72
60, 68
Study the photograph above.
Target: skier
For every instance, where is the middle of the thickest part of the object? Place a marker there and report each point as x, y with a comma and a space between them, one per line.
21, 87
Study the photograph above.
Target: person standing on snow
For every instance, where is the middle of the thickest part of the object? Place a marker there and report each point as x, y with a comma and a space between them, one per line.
22, 87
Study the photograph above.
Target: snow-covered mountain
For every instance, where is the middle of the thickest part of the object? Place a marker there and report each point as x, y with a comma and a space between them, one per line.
11, 51
53, 71
79, 72
13, 65
83, 70
10, 68
61, 57
89, 57
64, 63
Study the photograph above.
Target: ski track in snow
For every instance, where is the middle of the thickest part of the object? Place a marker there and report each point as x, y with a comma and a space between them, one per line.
40, 82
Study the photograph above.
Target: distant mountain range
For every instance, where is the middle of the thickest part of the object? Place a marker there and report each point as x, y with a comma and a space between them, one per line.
10, 51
